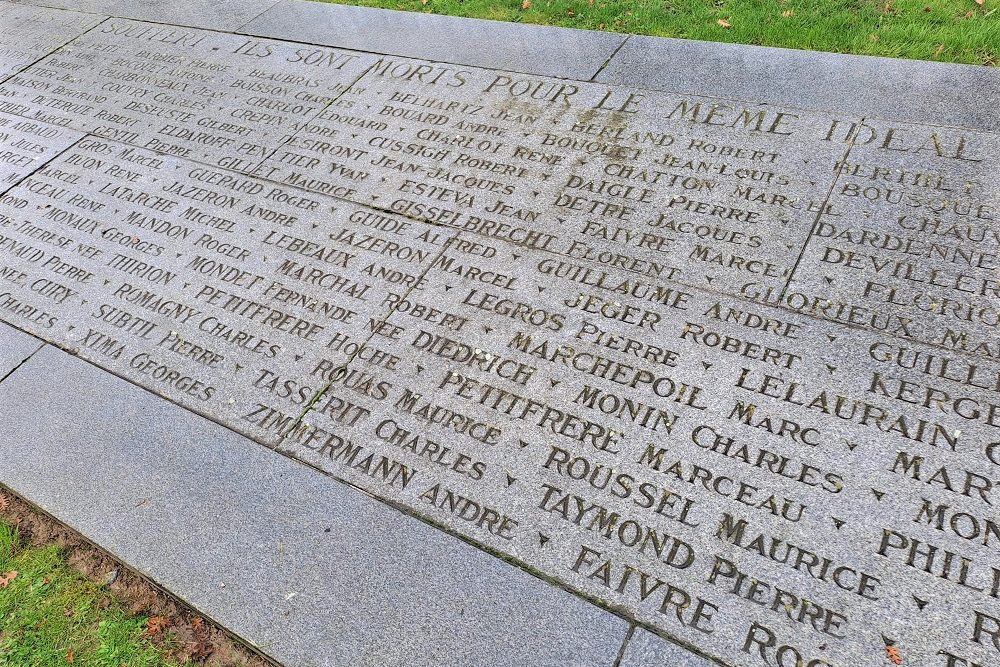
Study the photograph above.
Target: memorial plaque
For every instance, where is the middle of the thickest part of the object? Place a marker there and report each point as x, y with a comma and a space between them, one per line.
725, 368
26, 145
665, 186
29, 33
208, 96
264, 293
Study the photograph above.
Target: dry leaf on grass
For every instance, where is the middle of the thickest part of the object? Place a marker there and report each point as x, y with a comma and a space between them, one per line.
70, 657
156, 624
787, 13
200, 649
724, 23
526, 4
980, 2
6, 579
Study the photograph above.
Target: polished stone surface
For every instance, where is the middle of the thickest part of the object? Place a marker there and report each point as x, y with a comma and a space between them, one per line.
292, 569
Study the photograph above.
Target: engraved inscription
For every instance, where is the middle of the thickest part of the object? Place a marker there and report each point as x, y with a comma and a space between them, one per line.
729, 368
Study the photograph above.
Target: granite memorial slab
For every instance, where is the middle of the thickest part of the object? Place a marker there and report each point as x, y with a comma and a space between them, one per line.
25, 146
112, 252
303, 554
725, 368
30, 33
209, 96
702, 180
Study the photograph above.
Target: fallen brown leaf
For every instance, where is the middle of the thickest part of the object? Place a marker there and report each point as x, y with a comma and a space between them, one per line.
570, 12
6, 579
200, 649
156, 624
197, 622
526, 4
724, 23
787, 13
980, 2
70, 657
4, 501
893, 654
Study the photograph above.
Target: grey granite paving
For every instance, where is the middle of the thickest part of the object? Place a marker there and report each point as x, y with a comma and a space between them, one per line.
209, 96
26, 145
726, 363
212, 14
906, 90
15, 347
30, 32
189, 302
648, 650
574, 54
82, 6
310, 571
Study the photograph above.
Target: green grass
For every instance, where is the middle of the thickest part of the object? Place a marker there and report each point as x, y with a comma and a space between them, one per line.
946, 30
51, 616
